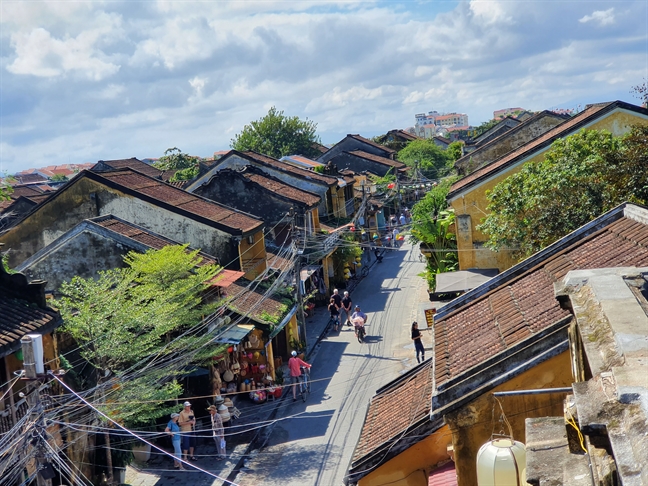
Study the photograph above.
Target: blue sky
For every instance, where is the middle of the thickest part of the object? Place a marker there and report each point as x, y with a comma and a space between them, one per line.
83, 81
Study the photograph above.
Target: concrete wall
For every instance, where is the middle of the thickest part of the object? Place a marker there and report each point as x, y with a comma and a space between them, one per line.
358, 164
349, 145
85, 199
84, 255
470, 207
507, 142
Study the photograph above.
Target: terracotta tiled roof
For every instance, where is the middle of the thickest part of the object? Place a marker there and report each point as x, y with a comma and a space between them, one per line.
182, 200
273, 185
371, 142
569, 126
142, 235
446, 475
524, 305
253, 302
20, 318
499, 314
27, 191
283, 166
392, 411
403, 134
278, 262
319, 147
131, 163
377, 158
30, 178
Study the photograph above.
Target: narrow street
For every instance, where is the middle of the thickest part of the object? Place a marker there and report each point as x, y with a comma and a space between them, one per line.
312, 443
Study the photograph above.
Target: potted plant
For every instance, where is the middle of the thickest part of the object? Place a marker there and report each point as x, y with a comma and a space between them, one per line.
279, 381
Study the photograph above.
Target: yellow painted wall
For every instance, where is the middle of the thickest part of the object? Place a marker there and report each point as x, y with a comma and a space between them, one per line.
292, 332
250, 252
473, 203
422, 457
471, 426
316, 221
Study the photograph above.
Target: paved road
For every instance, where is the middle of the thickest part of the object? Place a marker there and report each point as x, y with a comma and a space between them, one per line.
313, 442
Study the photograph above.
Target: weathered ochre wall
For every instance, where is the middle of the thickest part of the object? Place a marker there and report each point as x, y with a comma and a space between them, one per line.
472, 425
411, 467
253, 255
470, 207
85, 198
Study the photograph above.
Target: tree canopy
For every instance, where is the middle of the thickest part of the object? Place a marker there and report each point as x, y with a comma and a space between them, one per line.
432, 161
276, 135
581, 177
139, 317
174, 159
455, 150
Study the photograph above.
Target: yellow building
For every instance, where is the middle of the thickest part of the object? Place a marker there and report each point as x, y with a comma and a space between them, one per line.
509, 334
468, 196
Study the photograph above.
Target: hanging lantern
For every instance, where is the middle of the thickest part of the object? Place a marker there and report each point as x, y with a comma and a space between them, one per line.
391, 185
375, 236
346, 265
352, 229
358, 265
358, 259
501, 462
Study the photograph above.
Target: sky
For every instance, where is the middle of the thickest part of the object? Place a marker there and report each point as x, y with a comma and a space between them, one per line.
82, 81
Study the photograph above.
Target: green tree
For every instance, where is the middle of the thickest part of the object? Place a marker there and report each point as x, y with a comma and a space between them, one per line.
432, 226
485, 126
431, 160
580, 178
174, 159
277, 135
455, 150
141, 315
59, 178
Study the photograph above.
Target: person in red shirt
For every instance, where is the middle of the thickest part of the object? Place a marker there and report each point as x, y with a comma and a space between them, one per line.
294, 365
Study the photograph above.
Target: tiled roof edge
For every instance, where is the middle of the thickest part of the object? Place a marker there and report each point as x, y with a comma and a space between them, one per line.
525, 265
606, 108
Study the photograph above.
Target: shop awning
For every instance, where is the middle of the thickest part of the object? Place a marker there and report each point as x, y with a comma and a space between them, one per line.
463, 280
225, 278
309, 270
234, 334
443, 476
283, 323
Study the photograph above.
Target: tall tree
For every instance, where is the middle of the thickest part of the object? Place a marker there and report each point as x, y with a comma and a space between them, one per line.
142, 313
455, 150
580, 178
174, 159
431, 160
276, 135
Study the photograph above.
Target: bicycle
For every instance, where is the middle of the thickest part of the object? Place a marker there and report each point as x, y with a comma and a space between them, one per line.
304, 385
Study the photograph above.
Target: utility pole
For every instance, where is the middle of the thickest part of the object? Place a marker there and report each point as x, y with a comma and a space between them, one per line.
301, 322
34, 371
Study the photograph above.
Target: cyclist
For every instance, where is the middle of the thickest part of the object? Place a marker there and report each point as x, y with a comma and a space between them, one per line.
294, 365
358, 318
334, 311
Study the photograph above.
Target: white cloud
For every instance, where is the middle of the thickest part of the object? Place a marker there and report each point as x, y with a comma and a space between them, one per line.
603, 17
40, 54
100, 80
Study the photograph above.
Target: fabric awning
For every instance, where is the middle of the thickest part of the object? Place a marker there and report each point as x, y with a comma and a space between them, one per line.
309, 270
225, 278
234, 334
446, 475
463, 280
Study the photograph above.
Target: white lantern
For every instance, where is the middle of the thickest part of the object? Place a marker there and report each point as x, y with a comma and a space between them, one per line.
501, 462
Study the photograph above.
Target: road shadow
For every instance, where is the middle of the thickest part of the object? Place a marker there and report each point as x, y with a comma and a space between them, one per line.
372, 339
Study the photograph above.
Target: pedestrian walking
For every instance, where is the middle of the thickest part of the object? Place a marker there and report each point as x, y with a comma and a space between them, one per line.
217, 432
187, 423
174, 431
402, 219
334, 312
346, 309
418, 345
337, 297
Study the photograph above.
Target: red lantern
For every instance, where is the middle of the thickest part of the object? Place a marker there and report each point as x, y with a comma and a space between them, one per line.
352, 228
230, 349
391, 185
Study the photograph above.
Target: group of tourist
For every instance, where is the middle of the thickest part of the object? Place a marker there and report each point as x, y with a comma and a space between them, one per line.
182, 429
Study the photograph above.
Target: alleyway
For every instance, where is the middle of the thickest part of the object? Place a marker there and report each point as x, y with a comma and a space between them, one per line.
312, 443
